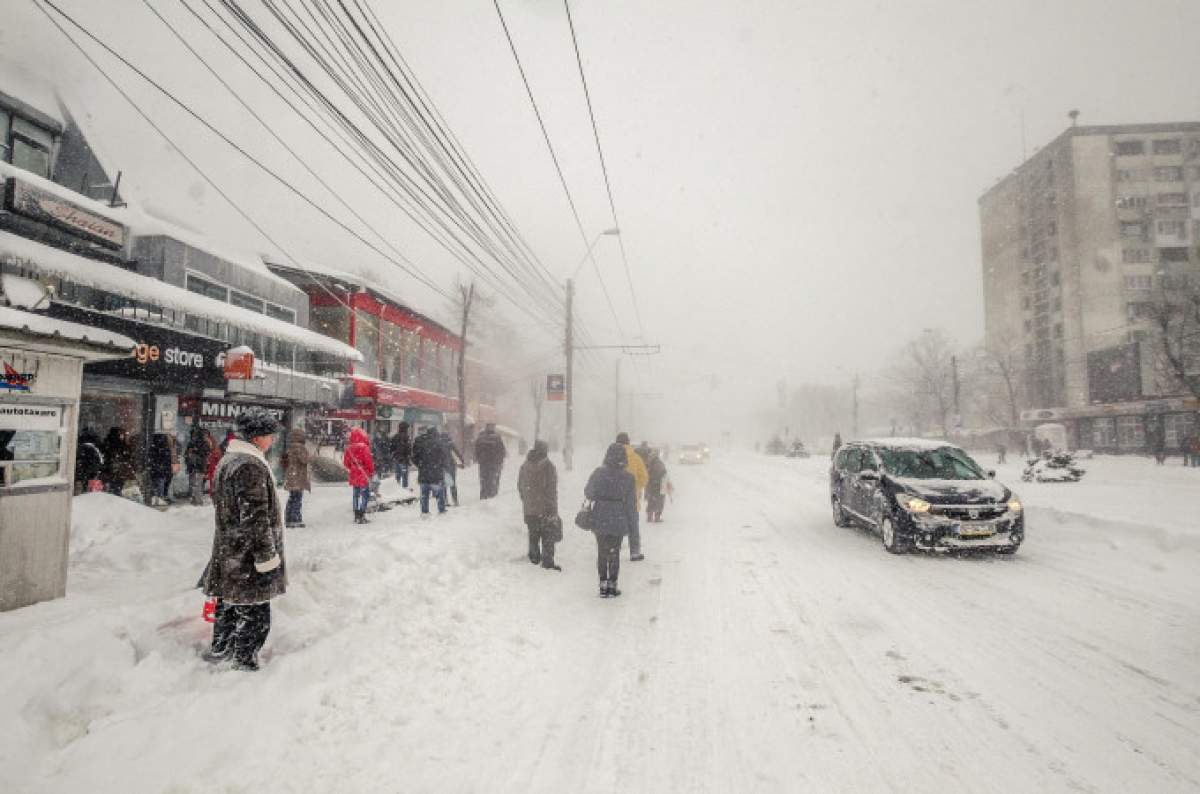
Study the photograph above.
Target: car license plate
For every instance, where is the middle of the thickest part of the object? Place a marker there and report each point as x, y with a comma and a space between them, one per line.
975, 532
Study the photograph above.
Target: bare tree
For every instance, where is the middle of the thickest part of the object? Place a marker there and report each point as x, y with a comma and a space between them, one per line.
1003, 367
923, 379
1176, 318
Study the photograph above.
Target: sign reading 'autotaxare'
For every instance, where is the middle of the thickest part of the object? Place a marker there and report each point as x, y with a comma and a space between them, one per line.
34, 202
30, 417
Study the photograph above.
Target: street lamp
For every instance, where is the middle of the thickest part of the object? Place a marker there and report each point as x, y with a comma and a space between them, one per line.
569, 443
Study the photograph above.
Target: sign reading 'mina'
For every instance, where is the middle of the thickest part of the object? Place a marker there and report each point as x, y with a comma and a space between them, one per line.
33, 202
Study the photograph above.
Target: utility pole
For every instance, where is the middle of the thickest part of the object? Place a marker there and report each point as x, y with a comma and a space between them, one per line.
569, 443
468, 298
854, 402
617, 400
954, 374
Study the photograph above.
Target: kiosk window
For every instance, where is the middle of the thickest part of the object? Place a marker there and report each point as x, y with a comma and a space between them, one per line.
30, 442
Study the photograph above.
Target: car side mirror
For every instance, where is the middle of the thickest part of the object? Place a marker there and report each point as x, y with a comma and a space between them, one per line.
991, 473
869, 476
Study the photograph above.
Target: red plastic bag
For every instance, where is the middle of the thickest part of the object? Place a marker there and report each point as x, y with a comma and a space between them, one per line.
210, 611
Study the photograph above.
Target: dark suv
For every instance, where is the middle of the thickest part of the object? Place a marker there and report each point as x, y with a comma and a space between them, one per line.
923, 494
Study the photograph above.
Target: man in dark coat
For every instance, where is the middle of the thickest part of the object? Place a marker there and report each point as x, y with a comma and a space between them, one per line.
401, 449
490, 452
195, 460
247, 567
454, 462
613, 494
118, 460
656, 486
537, 483
89, 460
430, 459
160, 469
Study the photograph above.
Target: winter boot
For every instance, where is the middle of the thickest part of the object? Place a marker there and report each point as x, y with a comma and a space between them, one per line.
637, 557
613, 592
550, 565
362, 517
246, 665
216, 656
603, 589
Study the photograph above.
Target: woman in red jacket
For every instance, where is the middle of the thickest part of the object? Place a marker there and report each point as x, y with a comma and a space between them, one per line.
359, 467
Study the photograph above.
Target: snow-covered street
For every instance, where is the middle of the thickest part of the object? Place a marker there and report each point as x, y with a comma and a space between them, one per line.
757, 648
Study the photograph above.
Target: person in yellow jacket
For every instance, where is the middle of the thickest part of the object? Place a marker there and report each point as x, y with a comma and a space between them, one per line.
637, 467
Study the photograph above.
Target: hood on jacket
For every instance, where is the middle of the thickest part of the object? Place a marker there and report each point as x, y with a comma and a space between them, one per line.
616, 456
296, 435
538, 452
359, 436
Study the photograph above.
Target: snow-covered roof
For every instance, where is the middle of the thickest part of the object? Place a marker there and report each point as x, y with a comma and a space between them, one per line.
31, 88
98, 275
906, 443
41, 325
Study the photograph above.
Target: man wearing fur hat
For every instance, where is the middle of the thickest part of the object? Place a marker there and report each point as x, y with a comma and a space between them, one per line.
247, 566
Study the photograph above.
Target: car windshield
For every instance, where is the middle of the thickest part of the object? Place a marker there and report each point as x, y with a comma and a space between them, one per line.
946, 463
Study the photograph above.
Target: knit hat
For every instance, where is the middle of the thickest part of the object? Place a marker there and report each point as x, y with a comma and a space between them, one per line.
622, 438
254, 422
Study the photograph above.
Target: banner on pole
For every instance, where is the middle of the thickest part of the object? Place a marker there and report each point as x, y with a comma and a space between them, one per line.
556, 388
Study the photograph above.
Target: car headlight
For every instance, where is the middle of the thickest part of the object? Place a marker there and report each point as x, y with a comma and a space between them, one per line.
913, 504
1014, 505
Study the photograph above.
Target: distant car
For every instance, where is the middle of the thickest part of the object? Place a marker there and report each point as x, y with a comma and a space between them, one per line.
797, 450
692, 454
776, 446
925, 495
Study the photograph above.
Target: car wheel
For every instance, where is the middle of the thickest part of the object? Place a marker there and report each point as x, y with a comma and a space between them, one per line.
891, 537
840, 519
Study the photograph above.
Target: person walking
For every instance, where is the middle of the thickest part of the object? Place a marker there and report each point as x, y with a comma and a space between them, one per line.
360, 467
160, 468
1191, 445
401, 449
247, 567
195, 460
637, 468
489, 453
118, 461
837, 443
89, 461
656, 486
614, 513
537, 483
454, 462
381, 453
429, 458
296, 479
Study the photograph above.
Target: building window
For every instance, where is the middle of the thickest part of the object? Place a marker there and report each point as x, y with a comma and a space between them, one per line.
1133, 229
1058, 304
1135, 256
245, 301
1170, 146
1172, 199
412, 358
5, 127
1058, 330
209, 289
1178, 427
1131, 147
281, 313
1131, 202
1131, 432
1104, 433
1173, 254
1128, 175
392, 353
1139, 282
1171, 229
1028, 326
1179, 282
1055, 279
1025, 302
31, 147
1170, 173
1139, 310
1195, 172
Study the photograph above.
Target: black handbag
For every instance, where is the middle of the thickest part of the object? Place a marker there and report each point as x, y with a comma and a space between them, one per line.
554, 528
584, 518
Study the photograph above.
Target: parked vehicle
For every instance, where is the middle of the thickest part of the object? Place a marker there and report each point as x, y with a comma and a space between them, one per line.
776, 446
692, 454
797, 450
923, 494
1053, 467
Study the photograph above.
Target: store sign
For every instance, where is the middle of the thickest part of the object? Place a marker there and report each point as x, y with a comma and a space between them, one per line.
160, 355
15, 380
228, 412
30, 417
33, 202
556, 388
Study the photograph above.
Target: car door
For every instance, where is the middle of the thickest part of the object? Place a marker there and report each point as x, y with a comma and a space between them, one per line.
869, 483
840, 476
850, 494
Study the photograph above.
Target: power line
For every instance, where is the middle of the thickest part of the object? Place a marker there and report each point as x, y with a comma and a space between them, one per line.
557, 167
603, 166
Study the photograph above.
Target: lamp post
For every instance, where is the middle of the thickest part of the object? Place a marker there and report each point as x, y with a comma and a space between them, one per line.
569, 441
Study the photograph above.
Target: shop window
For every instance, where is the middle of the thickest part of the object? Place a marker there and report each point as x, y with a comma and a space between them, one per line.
1131, 432
1104, 433
366, 341
411, 344
30, 443
31, 147
1178, 427
281, 313
209, 289
392, 353
245, 301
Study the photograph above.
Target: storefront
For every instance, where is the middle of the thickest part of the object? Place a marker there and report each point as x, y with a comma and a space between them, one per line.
1129, 428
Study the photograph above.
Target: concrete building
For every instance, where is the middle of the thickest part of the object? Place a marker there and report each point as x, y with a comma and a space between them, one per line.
1076, 242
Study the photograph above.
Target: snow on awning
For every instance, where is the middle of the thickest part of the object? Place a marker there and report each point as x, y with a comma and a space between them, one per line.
41, 325
98, 275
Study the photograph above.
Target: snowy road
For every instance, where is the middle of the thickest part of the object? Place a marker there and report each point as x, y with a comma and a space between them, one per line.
757, 648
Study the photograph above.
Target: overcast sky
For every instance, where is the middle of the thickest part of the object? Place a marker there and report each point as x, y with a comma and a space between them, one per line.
796, 181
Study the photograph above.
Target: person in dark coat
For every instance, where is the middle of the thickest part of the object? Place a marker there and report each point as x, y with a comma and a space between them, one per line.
247, 567
490, 453
401, 449
429, 457
537, 484
837, 442
89, 460
296, 478
160, 469
656, 486
454, 462
613, 494
118, 461
360, 467
381, 453
195, 460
